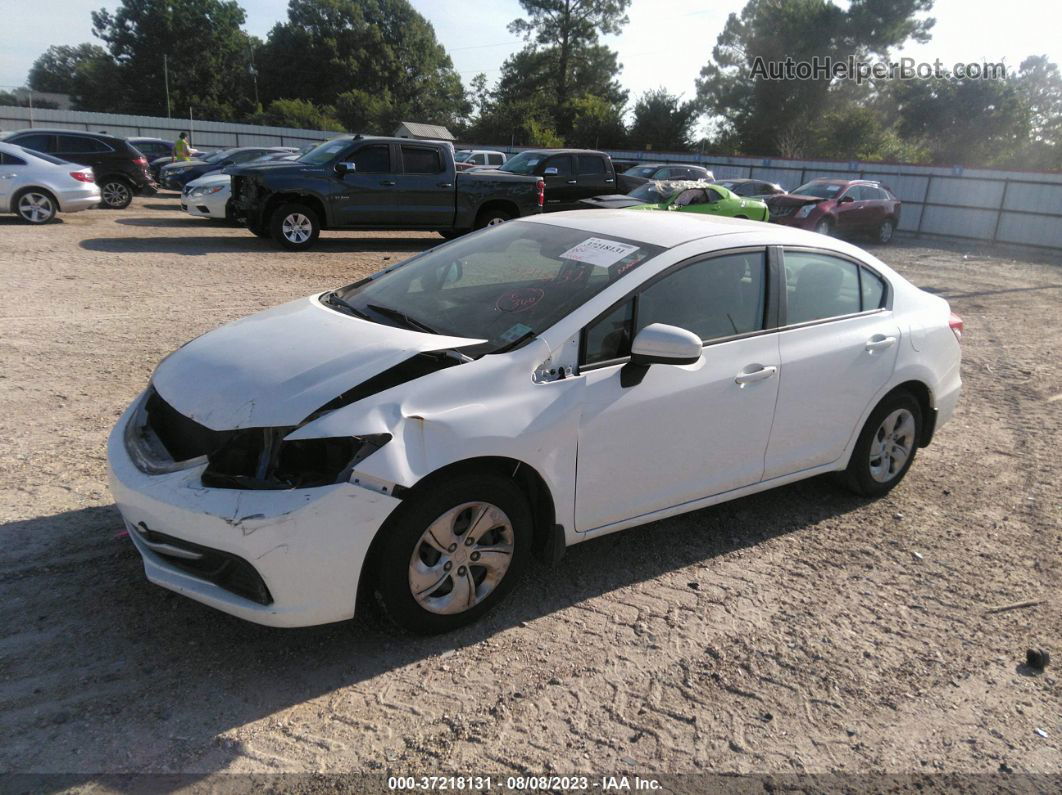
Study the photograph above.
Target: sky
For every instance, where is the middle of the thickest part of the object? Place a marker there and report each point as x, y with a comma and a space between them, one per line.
665, 45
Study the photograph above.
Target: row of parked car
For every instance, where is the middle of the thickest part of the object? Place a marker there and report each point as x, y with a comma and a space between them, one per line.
364, 182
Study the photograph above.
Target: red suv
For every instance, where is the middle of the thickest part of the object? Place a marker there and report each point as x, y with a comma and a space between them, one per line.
839, 207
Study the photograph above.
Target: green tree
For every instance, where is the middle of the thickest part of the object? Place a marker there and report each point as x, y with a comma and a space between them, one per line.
755, 114
597, 124
566, 30
208, 56
298, 113
662, 121
377, 61
55, 70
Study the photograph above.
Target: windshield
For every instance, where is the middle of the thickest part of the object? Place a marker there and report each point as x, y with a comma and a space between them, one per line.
503, 284
653, 193
463, 155
214, 157
523, 163
820, 190
326, 152
641, 171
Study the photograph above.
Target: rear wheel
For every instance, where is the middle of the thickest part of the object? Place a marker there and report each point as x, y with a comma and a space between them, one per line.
453, 552
492, 217
295, 227
35, 206
115, 194
888, 226
886, 447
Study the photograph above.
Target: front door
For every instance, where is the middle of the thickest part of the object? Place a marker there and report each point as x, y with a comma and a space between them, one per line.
426, 187
685, 432
366, 195
561, 184
834, 364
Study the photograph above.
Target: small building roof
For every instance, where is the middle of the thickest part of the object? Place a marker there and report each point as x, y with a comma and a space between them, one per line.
411, 129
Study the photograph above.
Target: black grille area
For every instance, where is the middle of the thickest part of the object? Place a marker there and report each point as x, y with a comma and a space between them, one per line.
182, 436
223, 569
782, 211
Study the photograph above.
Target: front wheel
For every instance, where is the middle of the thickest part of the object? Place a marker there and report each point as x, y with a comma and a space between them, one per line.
886, 446
35, 207
453, 552
295, 227
824, 227
116, 194
450, 234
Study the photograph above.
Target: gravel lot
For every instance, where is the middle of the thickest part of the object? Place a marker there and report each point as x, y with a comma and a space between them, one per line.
803, 630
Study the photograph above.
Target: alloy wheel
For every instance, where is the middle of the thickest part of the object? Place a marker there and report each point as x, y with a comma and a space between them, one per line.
495, 221
37, 208
461, 558
116, 194
885, 232
296, 228
892, 445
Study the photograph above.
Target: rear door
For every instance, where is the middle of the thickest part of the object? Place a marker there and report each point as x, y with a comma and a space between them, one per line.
84, 150
594, 176
558, 172
849, 213
366, 193
426, 187
838, 349
12, 167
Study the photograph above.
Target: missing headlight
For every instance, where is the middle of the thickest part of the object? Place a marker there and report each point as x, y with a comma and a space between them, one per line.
259, 458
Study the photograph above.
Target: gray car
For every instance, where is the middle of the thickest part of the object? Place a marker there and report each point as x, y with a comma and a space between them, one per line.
35, 186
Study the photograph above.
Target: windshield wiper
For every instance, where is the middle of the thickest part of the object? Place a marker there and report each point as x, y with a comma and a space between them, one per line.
335, 300
401, 317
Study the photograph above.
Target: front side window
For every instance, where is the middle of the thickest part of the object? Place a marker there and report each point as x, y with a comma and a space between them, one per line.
819, 286
324, 153
563, 164
36, 142
501, 284
374, 159
691, 197
422, 160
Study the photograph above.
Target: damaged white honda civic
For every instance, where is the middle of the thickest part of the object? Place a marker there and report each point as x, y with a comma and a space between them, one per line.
413, 438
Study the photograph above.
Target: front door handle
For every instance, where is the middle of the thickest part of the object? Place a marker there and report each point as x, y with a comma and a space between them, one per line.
572, 182
763, 373
388, 182
610, 180
446, 185
880, 342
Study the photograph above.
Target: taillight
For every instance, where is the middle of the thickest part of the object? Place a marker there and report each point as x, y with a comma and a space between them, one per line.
956, 326
83, 176
140, 161
540, 189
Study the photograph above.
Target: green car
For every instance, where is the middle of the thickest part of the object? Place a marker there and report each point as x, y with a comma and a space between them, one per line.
710, 199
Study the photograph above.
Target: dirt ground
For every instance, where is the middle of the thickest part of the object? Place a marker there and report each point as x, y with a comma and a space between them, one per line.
802, 630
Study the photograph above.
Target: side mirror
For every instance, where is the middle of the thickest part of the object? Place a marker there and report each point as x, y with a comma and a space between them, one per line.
845, 199
343, 167
550, 172
659, 343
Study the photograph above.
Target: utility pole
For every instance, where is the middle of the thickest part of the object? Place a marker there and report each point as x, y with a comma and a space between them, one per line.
166, 76
254, 78
30, 92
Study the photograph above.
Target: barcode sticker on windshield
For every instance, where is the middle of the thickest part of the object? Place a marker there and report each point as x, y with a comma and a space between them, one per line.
598, 251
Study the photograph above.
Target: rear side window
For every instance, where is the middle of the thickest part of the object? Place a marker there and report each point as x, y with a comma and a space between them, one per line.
80, 145
37, 142
496, 160
872, 289
819, 286
375, 159
250, 154
11, 160
421, 160
591, 165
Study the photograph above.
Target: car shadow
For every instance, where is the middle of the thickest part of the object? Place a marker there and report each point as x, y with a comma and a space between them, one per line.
176, 205
191, 245
183, 222
14, 220
127, 649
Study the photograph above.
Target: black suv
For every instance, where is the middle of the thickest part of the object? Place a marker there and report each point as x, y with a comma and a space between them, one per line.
569, 174
120, 169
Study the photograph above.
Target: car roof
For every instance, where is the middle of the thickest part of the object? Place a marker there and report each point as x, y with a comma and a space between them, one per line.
61, 131
562, 152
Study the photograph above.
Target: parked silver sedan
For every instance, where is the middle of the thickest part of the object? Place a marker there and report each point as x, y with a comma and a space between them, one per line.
36, 186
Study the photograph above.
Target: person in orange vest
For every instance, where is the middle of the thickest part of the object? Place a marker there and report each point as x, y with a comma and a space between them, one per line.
182, 150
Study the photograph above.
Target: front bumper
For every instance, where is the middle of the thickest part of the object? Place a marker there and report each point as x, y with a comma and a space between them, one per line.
808, 222
307, 545
211, 205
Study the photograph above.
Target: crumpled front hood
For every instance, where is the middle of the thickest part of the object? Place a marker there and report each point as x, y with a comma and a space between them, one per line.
277, 367
791, 200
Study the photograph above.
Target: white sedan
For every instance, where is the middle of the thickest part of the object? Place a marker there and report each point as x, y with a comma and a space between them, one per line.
36, 186
208, 197
418, 434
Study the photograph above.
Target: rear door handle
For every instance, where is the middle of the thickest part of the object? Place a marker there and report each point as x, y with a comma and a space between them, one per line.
610, 180
446, 184
388, 182
880, 342
756, 375
572, 182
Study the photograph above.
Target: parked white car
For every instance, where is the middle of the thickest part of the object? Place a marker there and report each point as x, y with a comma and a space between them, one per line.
208, 196
35, 186
470, 158
418, 433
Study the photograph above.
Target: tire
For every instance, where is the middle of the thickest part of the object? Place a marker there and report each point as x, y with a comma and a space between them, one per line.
824, 227
742, 217
35, 206
116, 194
878, 463
260, 230
295, 227
451, 234
492, 217
407, 561
884, 234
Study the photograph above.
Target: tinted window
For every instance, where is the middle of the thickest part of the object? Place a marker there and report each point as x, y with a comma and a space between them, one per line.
609, 337
819, 286
37, 142
591, 164
375, 159
11, 160
714, 298
78, 145
821, 190
563, 164
872, 289
243, 157
421, 160
496, 160
523, 163
875, 194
